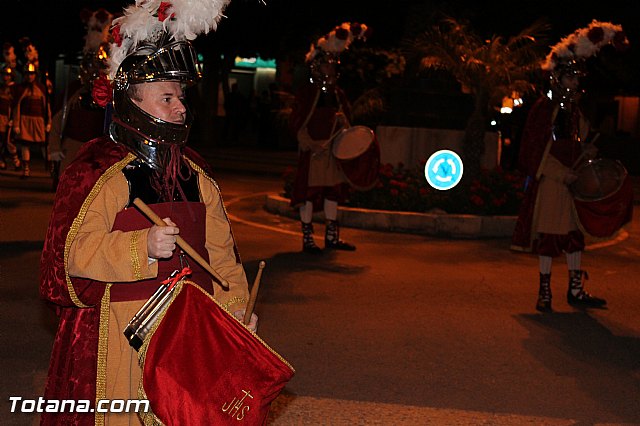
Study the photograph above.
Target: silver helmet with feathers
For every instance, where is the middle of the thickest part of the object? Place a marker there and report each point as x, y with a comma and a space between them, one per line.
568, 57
151, 42
324, 55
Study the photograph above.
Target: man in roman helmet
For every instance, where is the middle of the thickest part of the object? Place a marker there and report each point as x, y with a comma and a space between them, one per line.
102, 260
320, 112
555, 139
11, 60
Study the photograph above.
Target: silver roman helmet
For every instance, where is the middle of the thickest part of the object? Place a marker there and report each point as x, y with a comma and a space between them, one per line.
568, 57
151, 43
147, 136
323, 57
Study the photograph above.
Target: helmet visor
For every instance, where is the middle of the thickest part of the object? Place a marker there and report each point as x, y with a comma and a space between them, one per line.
175, 61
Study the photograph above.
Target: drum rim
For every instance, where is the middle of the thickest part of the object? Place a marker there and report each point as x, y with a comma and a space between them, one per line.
340, 135
592, 161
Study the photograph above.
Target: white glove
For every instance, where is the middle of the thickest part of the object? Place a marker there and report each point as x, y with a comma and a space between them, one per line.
253, 323
57, 156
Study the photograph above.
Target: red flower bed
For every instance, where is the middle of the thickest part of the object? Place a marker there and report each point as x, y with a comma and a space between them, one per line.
494, 192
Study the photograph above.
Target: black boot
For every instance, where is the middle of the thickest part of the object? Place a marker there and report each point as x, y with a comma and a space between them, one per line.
332, 238
577, 296
26, 171
308, 244
544, 294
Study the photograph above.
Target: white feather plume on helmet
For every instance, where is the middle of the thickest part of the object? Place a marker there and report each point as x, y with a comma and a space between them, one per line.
584, 43
150, 22
338, 40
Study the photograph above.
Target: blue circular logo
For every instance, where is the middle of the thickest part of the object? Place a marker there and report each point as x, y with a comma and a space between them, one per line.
443, 169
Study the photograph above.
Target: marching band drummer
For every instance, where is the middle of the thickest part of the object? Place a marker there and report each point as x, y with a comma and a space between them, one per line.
101, 259
320, 112
553, 141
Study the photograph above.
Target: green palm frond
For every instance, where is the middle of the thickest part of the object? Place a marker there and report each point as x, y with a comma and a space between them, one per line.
495, 65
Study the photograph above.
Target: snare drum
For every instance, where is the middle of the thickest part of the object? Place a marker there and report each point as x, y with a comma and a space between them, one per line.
201, 366
357, 152
603, 197
598, 179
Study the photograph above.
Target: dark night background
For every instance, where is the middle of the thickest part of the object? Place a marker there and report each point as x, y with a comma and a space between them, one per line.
286, 27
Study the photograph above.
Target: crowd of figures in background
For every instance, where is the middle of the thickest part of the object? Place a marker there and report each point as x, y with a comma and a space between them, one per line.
25, 107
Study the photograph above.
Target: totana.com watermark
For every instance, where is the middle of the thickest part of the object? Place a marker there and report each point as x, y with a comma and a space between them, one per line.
41, 405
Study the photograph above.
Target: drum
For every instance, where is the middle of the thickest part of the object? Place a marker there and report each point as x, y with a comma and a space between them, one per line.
603, 197
357, 152
201, 366
598, 179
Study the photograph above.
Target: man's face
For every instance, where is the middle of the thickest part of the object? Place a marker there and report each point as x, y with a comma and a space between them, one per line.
570, 81
30, 77
328, 69
163, 100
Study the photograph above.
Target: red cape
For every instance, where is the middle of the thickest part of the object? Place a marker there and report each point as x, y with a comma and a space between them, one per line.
535, 137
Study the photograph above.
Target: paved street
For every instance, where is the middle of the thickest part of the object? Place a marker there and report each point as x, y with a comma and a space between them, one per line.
406, 330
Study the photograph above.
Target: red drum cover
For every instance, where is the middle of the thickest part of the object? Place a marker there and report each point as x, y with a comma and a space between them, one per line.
357, 152
598, 179
602, 218
201, 366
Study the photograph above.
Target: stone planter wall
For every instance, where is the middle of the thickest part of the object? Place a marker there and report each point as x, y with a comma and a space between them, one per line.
441, 225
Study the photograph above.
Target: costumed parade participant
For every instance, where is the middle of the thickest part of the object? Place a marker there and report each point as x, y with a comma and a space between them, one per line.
555, 142
6, 102
11, 60
102, 260
80, 119
320, 113
32, 110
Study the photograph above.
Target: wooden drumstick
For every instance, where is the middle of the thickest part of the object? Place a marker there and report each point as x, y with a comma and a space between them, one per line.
181, 242
582, 154
254, 294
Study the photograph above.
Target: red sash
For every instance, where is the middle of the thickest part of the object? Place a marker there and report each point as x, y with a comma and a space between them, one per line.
192, 230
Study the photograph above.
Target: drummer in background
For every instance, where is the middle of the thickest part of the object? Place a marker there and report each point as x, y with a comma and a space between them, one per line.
79, 119
320, 112
554, 139
102, 259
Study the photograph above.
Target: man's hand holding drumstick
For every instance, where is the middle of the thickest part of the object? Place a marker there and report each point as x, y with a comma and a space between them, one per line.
161, 240
165, 243
161, 243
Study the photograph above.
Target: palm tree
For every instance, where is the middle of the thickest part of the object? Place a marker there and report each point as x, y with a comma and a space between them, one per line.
489, 70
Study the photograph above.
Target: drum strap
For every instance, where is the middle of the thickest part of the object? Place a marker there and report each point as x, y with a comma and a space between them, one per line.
549, 142
303, 135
